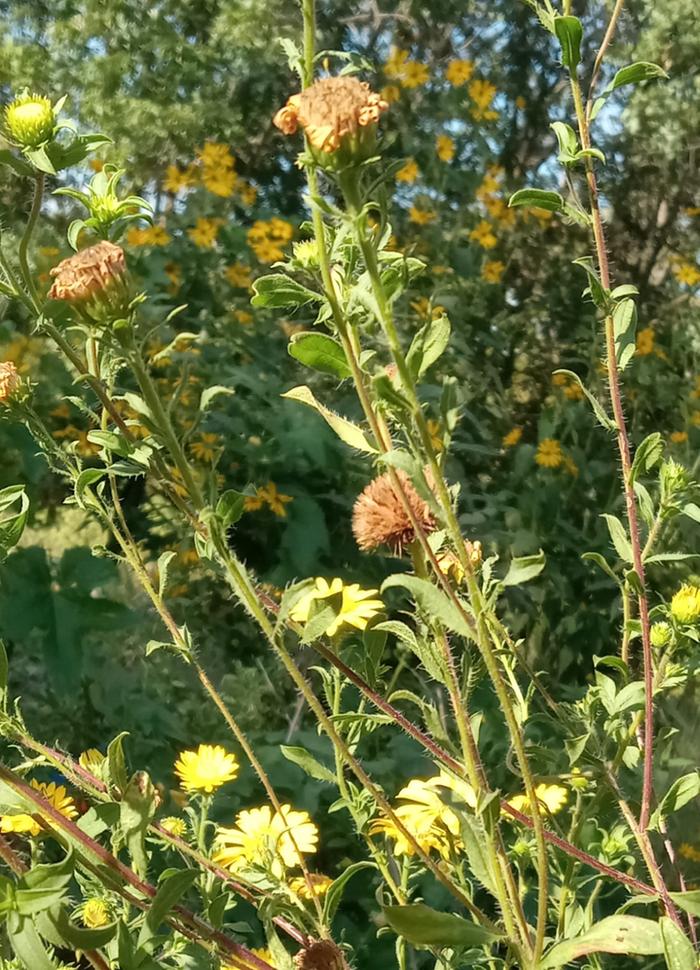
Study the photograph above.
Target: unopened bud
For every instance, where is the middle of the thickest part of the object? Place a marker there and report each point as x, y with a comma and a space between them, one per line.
685, 605
30, 120
660, 634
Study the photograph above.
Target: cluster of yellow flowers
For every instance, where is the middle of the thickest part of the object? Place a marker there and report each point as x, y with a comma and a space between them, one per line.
686, 273
421, 215
215, 170
492, 271
268, 495
357, 606
268, 238
206, 446
645, 342
239, 275
445, 148
482, 94
434, 825
205, 232
408, 73
148, 236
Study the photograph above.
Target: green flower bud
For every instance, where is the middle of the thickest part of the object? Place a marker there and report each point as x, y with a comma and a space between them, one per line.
30, 120
660, 634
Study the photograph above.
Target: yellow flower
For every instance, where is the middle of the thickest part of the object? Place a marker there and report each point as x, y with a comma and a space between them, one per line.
206, 446
177, 179
92, 760
482, 234
489, 185
685, 605
174, 274
220, 182
498, 210
174, 825
204, 233
272, 840
421, 217
573, 391
243, 317
395, 63
268, 252
435, 432
512, 438
445, 148
459, 72
679, 437
492, 271
549, 453
206, 769
30, 120
695, 419
520, 103
357, 607
247, 192
24, 824
261, 952
409, 173
414, 74
482, 94
550, 797
268, 495
570, 466
432, 823
239, 275
391, 93
150, 236
687, 274
645, 341
320, 885
95, 913
213, 155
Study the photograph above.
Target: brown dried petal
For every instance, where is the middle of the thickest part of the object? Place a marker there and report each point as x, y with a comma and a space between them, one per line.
379, 517
88, 273
9, 380
321, 955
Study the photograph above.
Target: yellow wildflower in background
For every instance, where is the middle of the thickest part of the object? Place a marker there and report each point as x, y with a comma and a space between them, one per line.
244, 317
550, 797
679, 437
206, 446
214, 155
482, 94
645, 341
221, 182
492, 271
414, 74
409, 172
357, 607
687, 274
176, 178
273, 840
395, 62
421, 217
203, 234
549, 453
685, 605
25, 824
445, 148
512, 438
150, 236
268, 495
95, 913
689, 851
320, 885
239, 275
206, 769
247, 192
390, 93
570, 466
482, 234
459, 72
267, 239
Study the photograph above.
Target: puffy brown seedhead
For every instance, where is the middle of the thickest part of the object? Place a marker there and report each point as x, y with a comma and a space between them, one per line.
380, 519
88, 274
321, 955
330, 111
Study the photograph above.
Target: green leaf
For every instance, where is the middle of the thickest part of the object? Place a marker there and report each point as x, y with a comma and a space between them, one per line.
625, 328
163, 567
116, 764
428, 345
230, 507
635, 73
55, 926
16, 163
346, 430
170, 892
12, 522
628, 935
648, 454
308, 764
26, 943
567, 140
320, 352
524, 568
600, 413
40, 159
678, 950
475, 845
682, 791
692, 511
423, 926
618, 534
432, 601
424, 649
602, 563
86, 478
538, 198
689, 901
43, 886
210, 393
278, 290
335, 891
569, 33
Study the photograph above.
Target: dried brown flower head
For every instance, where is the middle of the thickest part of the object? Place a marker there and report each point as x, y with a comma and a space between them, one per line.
9, 380
89, 274
331, 111
321, 955
379, 518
